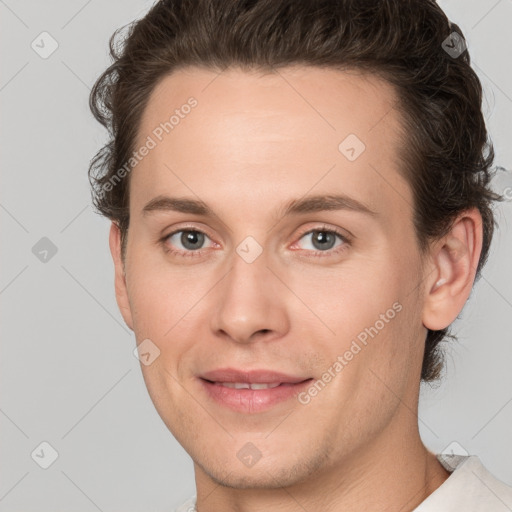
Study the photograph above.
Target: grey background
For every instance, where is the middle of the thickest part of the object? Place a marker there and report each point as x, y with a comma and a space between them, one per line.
68, 375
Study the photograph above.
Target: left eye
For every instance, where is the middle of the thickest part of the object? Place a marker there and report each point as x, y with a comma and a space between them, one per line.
323, 239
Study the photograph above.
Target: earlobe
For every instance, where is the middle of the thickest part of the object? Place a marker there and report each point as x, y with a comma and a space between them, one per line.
454, 260
120, 277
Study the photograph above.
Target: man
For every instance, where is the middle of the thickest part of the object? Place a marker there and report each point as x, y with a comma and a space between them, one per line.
300, 202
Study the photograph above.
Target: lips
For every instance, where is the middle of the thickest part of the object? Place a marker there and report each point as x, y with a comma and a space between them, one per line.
251, 391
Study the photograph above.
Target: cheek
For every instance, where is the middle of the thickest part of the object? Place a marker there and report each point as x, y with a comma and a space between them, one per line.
350, 298
151, 304
161, 295
369, 312
169, 307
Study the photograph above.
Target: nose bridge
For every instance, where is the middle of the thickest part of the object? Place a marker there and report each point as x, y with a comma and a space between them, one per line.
249, 300
249, 271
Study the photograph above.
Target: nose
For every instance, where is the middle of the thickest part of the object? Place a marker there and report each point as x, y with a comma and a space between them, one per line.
251, 303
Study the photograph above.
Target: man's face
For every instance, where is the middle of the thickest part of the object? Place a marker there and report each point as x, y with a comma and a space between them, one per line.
258, 289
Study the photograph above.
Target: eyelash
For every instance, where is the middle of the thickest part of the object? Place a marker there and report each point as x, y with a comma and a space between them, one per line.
316, 254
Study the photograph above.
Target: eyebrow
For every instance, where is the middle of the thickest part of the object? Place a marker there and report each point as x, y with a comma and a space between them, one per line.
304, 205
308, 204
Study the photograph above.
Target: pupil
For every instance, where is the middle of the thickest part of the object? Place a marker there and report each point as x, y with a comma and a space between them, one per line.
191, 238
322, 237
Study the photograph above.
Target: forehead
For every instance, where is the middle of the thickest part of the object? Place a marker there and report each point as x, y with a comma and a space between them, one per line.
237, 132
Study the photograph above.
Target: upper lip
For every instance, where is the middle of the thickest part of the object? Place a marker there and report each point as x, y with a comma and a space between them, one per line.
250, 376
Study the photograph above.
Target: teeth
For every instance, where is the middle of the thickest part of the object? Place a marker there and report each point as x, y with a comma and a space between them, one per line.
264, 386
246, 385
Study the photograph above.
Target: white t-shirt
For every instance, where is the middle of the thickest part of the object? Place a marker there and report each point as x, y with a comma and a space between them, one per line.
469, 488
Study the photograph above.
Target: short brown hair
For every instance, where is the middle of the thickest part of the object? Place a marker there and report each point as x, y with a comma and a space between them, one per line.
447, 155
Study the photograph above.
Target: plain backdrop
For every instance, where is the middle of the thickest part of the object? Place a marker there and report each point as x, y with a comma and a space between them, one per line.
68, 374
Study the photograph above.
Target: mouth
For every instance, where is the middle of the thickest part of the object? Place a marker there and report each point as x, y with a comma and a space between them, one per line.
252, 391
247, 385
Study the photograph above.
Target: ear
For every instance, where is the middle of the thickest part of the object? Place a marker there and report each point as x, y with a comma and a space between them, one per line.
120, 276
454, 259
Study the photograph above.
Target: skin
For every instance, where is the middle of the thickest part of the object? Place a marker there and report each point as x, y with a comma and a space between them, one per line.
253, 143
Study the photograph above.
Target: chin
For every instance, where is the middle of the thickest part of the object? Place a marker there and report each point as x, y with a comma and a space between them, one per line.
262, 476
248, 480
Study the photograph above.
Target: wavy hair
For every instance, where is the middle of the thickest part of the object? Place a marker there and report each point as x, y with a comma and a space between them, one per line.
446, 155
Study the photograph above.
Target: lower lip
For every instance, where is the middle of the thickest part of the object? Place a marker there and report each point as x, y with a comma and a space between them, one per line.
253, 400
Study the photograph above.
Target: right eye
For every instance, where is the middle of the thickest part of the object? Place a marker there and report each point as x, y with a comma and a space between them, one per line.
190, 239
